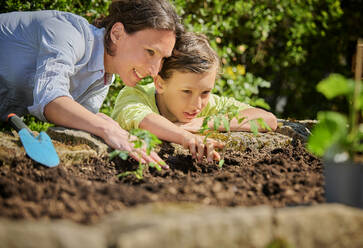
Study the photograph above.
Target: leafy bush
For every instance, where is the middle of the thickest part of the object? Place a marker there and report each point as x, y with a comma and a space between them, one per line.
273, 40
89, 9
288, 45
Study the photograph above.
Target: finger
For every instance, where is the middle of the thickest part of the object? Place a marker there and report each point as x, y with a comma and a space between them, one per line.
201, 150
216, 143
210, 152
153, 159
137, 156
158, 160
216, 156
146, 157
192, 149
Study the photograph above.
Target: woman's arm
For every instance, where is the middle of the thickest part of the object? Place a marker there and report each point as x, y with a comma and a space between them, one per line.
166, 130
66, 112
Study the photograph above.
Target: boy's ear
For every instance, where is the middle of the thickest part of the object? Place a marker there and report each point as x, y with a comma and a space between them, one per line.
159, 84
117, 32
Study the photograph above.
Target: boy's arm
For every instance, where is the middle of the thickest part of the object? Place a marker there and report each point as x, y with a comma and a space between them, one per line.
250, 114
166, 130
253, 114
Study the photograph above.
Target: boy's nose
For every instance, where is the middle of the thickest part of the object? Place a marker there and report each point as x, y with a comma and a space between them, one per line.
197, 103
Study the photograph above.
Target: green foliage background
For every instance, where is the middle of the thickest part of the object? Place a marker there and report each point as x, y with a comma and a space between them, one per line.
270, 49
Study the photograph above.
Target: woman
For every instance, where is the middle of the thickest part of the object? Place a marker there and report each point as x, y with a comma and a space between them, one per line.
58, 67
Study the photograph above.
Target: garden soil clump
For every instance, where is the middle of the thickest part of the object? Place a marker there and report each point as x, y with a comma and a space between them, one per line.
85, 192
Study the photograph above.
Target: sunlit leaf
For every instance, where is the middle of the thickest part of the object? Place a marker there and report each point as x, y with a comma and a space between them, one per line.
335, 85
331, 129
221, 163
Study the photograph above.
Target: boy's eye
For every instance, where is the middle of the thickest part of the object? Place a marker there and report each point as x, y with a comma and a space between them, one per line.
187, 91
205, 93
150, 52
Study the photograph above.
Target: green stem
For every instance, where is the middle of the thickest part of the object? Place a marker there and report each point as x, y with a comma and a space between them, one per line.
354, 108
225, 147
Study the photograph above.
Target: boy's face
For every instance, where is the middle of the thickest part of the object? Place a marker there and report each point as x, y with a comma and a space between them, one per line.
183, 96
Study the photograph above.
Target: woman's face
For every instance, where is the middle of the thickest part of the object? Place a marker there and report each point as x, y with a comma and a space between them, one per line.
139, 54
184, 95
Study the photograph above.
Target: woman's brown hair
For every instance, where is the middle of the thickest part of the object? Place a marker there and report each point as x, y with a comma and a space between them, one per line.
137, 15
192, 53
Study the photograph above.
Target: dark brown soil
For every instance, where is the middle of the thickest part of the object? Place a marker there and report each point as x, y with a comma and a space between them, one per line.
86, 192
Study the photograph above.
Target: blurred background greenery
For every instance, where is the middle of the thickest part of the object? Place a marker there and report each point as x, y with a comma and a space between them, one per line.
273, 52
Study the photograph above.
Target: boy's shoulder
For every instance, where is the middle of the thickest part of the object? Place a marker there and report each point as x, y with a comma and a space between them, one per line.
138, 90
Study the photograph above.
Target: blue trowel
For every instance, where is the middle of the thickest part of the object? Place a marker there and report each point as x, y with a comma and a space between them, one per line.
39, 148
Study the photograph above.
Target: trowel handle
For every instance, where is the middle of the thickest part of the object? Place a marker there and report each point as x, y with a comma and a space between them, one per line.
17, 123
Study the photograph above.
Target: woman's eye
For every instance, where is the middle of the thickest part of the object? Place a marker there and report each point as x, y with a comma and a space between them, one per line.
205, 93
187, 91
150, 52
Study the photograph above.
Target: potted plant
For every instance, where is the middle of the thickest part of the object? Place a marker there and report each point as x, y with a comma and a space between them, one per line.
338, 138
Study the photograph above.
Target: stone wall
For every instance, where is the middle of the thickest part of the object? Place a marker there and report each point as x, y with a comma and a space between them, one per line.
184, 226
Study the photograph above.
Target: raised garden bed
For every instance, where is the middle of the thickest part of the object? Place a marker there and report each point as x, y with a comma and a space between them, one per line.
87, 190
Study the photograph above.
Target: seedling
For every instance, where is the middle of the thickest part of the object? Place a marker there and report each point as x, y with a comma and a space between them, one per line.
143, 138
225, 116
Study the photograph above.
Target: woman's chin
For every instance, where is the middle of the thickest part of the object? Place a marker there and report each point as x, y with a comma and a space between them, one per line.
130, 83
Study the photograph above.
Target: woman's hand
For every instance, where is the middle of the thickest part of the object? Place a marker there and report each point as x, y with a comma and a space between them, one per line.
120, 139
199, 147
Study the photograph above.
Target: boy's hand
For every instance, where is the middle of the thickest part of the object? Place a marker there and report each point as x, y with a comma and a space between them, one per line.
193, 126
200, 147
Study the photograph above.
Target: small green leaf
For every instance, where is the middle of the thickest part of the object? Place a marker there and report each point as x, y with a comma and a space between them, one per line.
221, 163
155, 165
216, 122
241, 119
261, 103
139, 175
125, 174
263, 124
253, 126
226, 123
113, 154
335, 85
122, 154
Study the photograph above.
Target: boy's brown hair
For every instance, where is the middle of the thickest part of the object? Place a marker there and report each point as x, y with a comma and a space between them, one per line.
137, 15
192, 53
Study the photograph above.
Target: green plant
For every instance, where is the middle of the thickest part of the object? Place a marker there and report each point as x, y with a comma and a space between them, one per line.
33, 123
337, 136
143, 139
224, 117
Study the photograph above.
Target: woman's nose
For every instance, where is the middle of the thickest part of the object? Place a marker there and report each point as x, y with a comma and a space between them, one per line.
155, 67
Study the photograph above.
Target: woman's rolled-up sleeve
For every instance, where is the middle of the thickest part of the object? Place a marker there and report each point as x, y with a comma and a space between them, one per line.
61, 45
